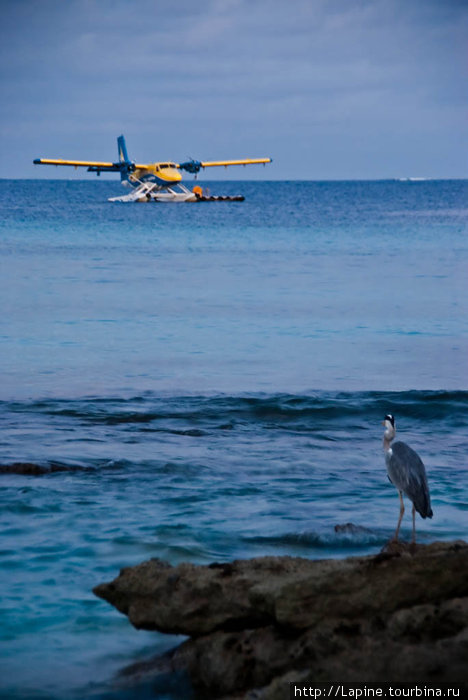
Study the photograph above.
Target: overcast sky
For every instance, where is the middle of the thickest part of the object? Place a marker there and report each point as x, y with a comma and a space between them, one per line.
330, 89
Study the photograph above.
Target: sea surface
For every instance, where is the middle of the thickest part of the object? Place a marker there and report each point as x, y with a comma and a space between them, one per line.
207, 382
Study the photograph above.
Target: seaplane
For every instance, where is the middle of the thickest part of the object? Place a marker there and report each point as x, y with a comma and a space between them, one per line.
155, 182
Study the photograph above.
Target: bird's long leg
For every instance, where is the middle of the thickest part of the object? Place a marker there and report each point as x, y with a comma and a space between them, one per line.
414, 525
402, 510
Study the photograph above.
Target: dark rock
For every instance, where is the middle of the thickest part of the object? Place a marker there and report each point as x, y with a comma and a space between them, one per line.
32, 469
351, 529
397, 616
28, 468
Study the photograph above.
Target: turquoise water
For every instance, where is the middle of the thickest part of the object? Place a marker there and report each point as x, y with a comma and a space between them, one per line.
207, 382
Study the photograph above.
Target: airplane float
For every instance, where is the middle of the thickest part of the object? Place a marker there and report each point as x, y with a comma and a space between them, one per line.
154, 182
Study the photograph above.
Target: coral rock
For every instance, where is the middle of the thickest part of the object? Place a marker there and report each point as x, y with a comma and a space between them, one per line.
258, 624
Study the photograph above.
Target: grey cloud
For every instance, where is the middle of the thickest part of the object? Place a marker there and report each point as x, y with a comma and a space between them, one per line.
281, 76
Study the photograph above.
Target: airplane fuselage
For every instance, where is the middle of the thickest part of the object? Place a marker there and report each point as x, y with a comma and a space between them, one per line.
162, 174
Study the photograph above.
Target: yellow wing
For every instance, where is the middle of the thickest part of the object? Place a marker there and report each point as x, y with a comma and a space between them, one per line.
74, 163
104, 165
93, 165
246, 161
194, 166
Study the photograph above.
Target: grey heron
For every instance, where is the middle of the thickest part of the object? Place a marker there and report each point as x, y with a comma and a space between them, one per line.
407, 473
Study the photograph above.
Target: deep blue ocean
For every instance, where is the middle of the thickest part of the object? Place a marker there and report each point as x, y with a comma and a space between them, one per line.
207, 382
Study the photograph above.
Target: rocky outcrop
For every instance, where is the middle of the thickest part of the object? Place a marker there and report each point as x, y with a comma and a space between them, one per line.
33, 469
401, 615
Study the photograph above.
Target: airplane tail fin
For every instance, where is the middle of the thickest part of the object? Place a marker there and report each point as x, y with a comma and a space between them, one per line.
126, 165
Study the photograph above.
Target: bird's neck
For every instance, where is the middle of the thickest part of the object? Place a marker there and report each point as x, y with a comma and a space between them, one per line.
386, 443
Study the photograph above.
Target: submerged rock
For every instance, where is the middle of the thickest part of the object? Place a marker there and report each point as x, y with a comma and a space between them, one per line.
260, 623
33, 469
351, 529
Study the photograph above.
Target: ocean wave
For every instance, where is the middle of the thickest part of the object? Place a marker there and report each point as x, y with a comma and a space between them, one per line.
224, 412
348, 536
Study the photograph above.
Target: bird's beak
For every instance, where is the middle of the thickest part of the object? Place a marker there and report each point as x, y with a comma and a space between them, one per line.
383, 423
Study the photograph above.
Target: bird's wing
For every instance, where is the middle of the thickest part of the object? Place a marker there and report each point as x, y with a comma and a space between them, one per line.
408, 469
